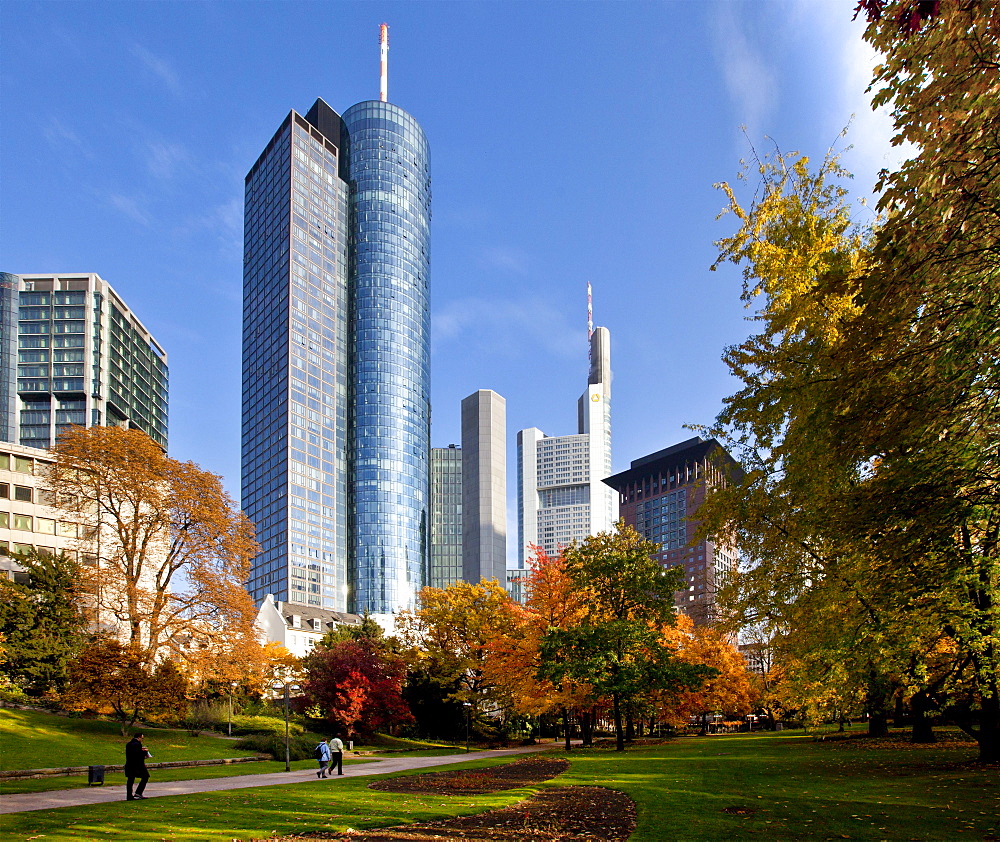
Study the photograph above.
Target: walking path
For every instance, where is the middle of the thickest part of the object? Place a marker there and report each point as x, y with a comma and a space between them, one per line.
28, 801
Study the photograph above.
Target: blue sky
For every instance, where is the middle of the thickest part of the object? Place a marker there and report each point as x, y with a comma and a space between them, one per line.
571, 142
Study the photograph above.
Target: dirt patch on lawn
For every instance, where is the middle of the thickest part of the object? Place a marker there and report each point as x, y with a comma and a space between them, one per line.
559, 814
526, 772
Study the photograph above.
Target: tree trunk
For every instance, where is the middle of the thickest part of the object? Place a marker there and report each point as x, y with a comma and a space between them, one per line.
566, 724
921, 730
877, 702
704, 725
619, 731
629, 728
989, 728
587, 727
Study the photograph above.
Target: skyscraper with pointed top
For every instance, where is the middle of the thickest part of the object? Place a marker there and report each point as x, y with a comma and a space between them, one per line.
561, 496
336, 357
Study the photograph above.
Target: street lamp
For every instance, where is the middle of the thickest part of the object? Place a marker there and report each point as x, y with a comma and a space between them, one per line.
232, 689
468, 719
286, 687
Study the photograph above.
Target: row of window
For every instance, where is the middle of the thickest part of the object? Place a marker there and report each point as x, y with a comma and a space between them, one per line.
43, 525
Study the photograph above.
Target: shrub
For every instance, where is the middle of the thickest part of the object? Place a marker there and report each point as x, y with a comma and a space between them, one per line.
272, 725
299, 748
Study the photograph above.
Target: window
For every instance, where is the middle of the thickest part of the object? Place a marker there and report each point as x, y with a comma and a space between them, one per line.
5, 490
45, 526
4, 520
23, 465
22, 522
67, 529
22, 493
21, 548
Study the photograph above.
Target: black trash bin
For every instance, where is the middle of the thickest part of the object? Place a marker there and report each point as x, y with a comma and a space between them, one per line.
95, 775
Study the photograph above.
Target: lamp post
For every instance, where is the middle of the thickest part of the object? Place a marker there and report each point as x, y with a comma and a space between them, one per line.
229, 725
468, 719
286, 687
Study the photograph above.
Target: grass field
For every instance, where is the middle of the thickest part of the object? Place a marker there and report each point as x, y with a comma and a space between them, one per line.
724, 787
33, 740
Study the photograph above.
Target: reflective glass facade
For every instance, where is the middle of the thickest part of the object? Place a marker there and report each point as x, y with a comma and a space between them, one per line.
446, 517
295, 368
336, 359
388, 166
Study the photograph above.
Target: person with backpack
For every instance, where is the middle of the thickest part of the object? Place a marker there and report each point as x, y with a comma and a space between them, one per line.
322, 754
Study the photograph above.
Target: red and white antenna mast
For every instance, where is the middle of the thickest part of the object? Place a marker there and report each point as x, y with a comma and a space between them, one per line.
590, 317
383, 79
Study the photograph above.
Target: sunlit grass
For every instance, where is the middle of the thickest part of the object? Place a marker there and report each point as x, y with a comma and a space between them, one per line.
776, 786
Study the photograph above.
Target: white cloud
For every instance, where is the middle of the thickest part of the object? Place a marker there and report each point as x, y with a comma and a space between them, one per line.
851, 62
507, 259
164, 159
508, 327
130, 206
159, 67
750, 79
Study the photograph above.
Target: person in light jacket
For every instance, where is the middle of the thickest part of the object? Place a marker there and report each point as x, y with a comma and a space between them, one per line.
337, 755
323, 757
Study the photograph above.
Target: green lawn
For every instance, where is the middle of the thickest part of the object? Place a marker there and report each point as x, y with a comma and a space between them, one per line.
33, 740
788, 787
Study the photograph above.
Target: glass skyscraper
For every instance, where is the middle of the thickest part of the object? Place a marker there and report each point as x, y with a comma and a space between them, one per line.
336, 351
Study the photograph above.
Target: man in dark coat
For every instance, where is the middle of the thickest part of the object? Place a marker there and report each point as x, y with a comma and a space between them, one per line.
135, 766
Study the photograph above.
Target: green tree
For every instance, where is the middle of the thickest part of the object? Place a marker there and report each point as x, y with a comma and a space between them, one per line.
868, 417
618, 647
41, 621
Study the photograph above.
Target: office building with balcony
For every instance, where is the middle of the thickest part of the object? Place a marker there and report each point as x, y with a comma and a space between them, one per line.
78, 356
659, 496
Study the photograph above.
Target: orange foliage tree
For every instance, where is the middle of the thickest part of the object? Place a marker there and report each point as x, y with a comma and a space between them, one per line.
165, 549
729, 691
552, 602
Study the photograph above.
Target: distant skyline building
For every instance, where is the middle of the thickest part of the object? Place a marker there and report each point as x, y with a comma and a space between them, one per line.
79, 356
659, 496
484, 487
446, 516
561, 496
336, 359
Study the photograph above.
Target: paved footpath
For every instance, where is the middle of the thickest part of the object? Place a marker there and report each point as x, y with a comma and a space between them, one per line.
28, 801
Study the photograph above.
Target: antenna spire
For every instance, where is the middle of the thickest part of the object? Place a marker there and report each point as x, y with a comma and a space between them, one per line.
590, 317
383, 41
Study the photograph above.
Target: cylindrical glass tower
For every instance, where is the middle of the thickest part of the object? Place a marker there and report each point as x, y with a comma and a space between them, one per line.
388, 169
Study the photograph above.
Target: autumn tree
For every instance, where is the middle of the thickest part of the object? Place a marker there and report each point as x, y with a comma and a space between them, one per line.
552, 602
357, 684
617, 647
449, 636
868, 417
166, 550
41, 622
109, 677
729, 690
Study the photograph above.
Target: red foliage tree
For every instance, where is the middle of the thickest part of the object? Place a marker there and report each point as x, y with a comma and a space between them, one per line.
358, 686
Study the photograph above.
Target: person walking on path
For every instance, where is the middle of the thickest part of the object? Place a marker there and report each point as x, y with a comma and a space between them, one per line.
135, 766
323, 756
337, 755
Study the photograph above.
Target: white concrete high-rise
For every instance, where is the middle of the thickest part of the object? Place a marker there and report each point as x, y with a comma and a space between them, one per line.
561, 496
